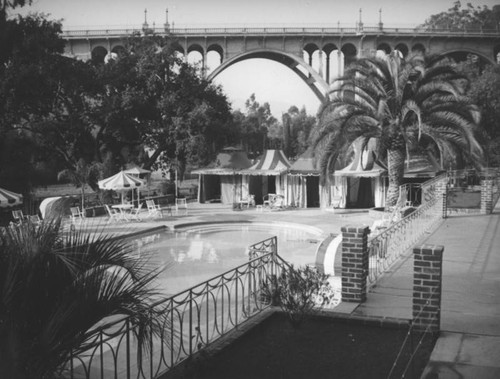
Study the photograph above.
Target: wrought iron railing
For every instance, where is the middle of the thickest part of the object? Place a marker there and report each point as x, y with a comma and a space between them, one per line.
385, 248
193, 319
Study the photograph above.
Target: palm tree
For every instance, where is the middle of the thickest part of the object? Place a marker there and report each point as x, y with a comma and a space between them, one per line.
83, 173
54, 288
402, 103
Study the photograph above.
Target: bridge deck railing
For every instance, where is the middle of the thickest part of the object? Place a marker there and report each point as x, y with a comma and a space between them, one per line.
365, 29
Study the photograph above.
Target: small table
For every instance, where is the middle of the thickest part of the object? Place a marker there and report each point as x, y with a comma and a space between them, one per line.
123, 208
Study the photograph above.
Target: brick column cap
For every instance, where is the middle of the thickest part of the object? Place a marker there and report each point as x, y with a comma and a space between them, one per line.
428, 249
355, 228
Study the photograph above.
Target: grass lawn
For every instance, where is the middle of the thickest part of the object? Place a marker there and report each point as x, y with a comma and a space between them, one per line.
321, 347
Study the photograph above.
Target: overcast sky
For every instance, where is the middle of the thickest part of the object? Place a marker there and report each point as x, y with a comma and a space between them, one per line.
270, 81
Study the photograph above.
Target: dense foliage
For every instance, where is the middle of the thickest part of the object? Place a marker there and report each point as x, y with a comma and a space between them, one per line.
469, 18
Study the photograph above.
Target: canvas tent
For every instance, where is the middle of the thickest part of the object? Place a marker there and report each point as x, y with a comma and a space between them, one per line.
363, 182
222, 180
267, 176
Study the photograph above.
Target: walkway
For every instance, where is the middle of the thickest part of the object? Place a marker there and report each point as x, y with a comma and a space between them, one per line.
469, 342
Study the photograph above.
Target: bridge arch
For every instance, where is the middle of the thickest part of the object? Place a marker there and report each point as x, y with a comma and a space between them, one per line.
98, 54
402, 48
418, 48
317, 84
216, 50
350, 53
462, 54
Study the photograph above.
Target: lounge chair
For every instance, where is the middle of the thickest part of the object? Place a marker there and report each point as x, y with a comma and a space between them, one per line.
114, 215
249, 201
268, 200
135, 213
278, 203
154, 210
76, 214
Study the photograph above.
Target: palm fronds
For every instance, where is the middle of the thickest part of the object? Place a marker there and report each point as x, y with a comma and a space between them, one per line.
55, 288
400, 102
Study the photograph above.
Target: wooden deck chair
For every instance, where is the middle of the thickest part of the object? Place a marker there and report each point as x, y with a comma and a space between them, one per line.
113, 214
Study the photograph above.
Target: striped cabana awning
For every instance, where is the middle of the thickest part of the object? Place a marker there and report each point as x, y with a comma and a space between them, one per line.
363, 165
304, 166
272, 162
9, 199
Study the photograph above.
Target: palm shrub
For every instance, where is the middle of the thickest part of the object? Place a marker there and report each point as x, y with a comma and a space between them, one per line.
402, 103
54, 288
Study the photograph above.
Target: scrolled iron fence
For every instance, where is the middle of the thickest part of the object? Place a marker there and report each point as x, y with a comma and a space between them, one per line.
385, 248
192, 319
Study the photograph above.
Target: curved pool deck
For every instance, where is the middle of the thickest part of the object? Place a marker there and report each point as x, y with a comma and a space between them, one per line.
327, 221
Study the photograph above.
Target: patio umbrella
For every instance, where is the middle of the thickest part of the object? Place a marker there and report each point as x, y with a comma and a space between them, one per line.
138, 171
9, 199
120, 182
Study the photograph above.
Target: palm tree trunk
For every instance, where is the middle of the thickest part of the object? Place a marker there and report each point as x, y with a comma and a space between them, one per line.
396, 163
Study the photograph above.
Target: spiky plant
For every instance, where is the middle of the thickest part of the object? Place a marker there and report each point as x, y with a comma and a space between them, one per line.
81, 174
402, 103
54, 288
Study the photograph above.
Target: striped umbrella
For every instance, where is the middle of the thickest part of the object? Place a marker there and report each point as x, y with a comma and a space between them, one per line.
120, 182
9, 199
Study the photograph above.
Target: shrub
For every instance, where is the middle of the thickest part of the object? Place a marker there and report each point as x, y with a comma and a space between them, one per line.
297, 291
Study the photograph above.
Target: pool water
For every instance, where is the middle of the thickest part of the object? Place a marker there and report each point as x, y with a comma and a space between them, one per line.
189, 257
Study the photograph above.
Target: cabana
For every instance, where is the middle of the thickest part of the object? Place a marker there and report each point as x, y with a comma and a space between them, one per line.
363, 182
222, 181
303, 184
267, 176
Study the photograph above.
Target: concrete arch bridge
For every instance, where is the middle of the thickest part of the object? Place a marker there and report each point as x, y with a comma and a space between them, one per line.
316, 55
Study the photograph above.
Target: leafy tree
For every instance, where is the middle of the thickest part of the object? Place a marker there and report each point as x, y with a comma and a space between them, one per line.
54, 288
43, 98
402, 103
154, 99
484, 90
469, 18
297, 126
256, 124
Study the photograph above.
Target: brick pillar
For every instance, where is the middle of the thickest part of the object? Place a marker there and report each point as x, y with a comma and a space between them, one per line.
445, 205
354, 263
487, 195
427, 284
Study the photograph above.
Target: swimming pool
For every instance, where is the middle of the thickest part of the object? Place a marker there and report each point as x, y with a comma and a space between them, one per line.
194, 253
